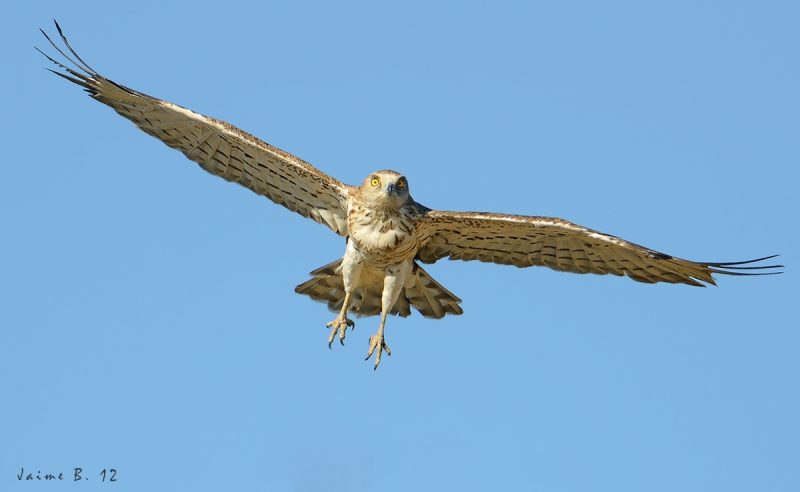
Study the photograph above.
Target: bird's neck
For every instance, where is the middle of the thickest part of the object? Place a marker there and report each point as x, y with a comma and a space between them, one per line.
381, 208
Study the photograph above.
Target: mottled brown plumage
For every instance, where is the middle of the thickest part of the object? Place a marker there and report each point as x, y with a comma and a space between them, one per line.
220, 148
425, 294
387, 230
555, 243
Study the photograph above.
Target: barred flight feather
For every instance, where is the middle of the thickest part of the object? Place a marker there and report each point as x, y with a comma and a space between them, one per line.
526, 241
217, 146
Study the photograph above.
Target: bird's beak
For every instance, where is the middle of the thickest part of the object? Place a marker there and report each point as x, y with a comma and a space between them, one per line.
391, 189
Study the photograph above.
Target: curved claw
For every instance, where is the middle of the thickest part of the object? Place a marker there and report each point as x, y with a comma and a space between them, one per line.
339, 326
377, 342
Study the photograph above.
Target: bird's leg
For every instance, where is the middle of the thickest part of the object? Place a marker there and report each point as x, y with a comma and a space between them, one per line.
340, 324
351, 272
392, 285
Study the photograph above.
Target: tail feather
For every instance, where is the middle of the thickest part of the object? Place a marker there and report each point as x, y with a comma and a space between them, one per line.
430, 298
325, 285
425, 294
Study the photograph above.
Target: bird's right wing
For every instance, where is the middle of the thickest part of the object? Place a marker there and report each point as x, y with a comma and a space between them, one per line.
219, 147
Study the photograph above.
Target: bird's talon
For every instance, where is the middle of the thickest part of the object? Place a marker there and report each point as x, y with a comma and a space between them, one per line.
339, 326
377, 342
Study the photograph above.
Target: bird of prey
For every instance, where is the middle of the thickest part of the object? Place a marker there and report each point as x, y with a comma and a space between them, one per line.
387, 233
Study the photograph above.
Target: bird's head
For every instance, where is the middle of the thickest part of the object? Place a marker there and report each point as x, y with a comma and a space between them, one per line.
388, 188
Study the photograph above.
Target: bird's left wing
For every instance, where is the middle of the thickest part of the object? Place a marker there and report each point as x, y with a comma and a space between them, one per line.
219, 147
526, 241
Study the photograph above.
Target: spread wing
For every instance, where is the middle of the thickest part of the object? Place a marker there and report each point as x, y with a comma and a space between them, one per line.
561, 245
219, 147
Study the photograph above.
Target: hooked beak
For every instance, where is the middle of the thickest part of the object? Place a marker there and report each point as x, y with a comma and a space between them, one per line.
391, 189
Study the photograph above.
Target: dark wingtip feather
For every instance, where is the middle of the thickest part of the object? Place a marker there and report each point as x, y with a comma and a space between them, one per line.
734, 268
741, 262
71, 79
744, 274
80, 64
79, 73
83, 65
752, 267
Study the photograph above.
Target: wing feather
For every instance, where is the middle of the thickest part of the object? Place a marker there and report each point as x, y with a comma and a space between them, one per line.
218, 147
526, 241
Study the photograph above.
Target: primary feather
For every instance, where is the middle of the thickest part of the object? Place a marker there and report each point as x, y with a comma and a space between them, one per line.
219, 147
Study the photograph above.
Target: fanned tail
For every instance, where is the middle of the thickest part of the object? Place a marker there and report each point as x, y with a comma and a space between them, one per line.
425, 294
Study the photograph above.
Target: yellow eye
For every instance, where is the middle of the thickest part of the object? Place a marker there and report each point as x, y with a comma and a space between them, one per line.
375, 182
401, 183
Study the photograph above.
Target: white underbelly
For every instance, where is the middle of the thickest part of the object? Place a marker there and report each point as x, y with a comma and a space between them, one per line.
370, 271
380, 249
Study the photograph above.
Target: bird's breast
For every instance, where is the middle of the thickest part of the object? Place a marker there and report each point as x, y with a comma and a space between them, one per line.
382, 239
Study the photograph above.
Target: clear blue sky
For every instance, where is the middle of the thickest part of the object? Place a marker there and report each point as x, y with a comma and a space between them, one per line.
147, 313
